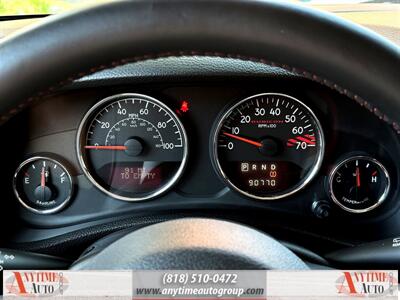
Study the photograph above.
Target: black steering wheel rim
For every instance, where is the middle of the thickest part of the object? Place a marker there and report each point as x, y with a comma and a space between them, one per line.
189, 244
346, 57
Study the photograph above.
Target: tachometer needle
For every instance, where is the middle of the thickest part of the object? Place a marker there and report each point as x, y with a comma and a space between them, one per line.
254, 143
121, 148
358, 177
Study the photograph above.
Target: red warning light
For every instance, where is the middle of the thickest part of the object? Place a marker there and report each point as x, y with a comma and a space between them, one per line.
184, 106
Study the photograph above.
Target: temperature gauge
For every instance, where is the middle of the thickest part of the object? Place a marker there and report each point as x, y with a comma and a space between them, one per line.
359, 184
42, 185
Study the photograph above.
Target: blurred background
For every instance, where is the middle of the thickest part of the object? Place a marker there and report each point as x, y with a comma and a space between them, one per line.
378, 15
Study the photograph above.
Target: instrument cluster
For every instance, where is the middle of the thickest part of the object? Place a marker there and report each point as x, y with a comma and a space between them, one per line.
268, 146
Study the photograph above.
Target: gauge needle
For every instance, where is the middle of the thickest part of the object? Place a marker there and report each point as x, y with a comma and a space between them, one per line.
43, 178
254, 143
107, 147
358, 177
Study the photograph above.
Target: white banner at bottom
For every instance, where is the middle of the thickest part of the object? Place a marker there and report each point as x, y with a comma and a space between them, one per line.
201, 285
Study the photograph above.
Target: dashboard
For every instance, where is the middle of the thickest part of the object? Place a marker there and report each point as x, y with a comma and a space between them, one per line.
222, 137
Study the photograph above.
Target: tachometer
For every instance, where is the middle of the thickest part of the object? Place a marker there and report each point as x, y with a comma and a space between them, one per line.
132, 146
268, 146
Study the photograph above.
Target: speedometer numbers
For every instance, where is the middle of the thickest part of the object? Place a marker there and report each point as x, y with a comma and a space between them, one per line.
132, 147
268, 146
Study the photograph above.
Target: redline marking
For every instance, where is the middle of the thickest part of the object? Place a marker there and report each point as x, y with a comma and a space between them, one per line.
310, 137
303, 139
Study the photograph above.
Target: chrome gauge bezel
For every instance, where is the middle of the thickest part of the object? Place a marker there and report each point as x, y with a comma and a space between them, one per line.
82, 130
364, 210
310, 176
42, 211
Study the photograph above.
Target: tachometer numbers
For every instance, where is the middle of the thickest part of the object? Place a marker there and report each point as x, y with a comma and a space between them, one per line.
268, 146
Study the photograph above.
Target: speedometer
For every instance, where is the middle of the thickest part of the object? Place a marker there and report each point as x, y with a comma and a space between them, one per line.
268, 146
132, 147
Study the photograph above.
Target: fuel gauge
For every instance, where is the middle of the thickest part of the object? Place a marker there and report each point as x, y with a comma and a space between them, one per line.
42, 185
359, 184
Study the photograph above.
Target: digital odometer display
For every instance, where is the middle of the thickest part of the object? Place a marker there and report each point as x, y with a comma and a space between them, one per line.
268, 146
132, 146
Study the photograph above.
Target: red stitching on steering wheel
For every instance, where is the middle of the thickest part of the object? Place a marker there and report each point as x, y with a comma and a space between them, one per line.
306, 74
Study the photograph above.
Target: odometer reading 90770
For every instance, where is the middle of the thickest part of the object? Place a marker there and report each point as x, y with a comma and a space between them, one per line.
268, 146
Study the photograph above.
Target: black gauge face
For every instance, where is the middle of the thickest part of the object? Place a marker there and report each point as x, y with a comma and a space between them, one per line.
132, 146
359, 184
268, 146
42, 185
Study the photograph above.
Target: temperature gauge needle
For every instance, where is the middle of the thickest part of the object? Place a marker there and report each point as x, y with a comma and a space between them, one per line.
358, 177
121, 148
254, 143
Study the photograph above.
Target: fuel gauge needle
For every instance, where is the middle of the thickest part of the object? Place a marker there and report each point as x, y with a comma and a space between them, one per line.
248, 141
43, 178
121, 148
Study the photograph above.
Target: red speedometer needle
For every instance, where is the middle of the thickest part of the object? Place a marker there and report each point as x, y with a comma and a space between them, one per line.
358, 177
107, 147
254, 143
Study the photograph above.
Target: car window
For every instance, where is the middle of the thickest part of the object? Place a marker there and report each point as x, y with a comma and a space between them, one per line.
378, 15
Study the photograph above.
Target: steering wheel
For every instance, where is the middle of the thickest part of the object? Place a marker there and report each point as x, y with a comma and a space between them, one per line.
321, 47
